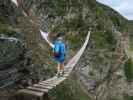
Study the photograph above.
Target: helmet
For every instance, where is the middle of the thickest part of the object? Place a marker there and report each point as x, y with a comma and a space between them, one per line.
61, 34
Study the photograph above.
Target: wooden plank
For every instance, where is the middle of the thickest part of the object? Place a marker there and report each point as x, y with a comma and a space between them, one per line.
54, 83
44, 87
51, 79
59, 81
67, 71
37, 89
44, 84
48, 82
66, 75
61, 78
26, 91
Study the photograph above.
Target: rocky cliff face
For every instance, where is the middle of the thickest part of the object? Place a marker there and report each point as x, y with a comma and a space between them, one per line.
100, 71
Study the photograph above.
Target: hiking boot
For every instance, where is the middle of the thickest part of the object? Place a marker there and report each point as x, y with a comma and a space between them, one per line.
58, 75
61, 73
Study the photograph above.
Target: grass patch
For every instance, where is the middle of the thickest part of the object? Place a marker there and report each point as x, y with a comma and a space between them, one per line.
128, 68
128, 97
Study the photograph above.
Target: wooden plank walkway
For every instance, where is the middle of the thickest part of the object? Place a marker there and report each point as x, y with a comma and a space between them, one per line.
43, 87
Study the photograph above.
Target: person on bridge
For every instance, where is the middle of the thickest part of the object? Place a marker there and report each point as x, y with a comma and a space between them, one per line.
59, 51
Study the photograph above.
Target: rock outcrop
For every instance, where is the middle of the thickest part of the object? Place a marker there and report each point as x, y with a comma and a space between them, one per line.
12, 60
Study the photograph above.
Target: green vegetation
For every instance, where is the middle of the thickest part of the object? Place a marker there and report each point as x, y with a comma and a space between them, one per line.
115, 18
7, 31
103, 40
59, 6
69, 90
131, 44
3, 26
128, 97
99, 11
4, 29
128, 68
102, 19
75, 40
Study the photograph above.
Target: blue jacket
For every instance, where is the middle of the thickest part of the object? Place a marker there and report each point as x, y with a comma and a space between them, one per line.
59, 47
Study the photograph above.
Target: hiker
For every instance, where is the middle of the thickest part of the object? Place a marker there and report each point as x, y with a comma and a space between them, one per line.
59, 51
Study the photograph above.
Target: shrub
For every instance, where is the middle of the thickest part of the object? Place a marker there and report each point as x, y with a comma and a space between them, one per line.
128, 69
103, 40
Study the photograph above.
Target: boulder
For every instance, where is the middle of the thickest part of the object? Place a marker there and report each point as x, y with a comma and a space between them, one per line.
11, 51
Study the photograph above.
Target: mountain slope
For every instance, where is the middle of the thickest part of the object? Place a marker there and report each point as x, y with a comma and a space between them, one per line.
75, 17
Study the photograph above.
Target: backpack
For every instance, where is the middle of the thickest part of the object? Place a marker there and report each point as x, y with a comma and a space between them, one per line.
59, 49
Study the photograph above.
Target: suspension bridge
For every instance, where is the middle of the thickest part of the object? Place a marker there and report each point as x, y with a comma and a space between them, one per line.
41, 89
